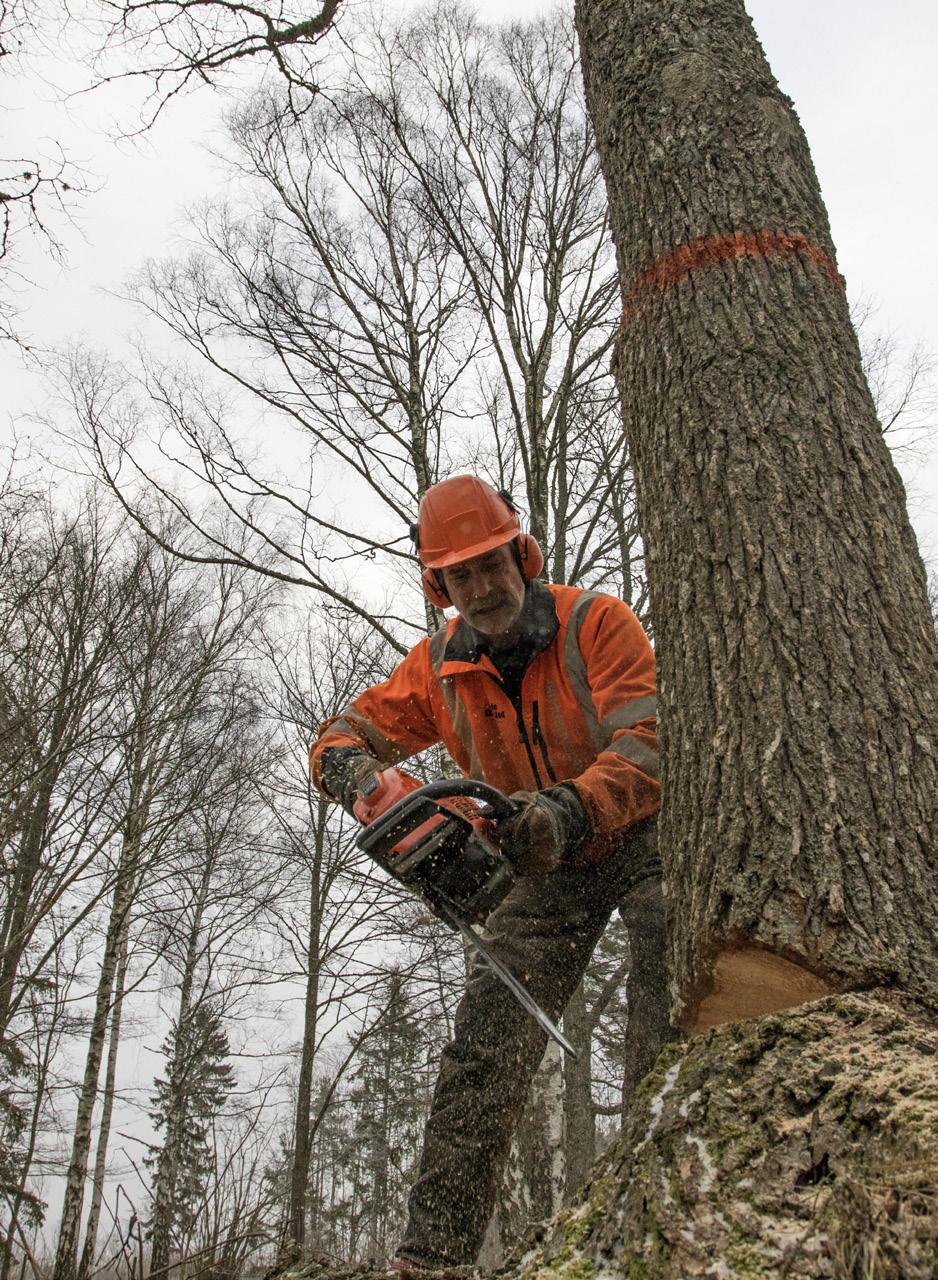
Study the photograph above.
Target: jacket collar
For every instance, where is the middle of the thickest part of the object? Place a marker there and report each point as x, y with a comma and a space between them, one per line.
539, 623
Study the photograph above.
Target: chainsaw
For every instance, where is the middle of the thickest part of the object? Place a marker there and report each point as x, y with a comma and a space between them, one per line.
436, 841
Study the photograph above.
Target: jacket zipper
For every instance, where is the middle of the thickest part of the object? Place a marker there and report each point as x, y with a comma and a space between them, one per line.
523, 732
526, 743
541, 742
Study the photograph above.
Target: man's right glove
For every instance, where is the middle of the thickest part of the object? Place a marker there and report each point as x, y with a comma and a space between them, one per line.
344, 769
548, 827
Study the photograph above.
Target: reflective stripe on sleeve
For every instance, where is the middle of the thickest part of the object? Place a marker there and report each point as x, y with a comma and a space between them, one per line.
576, 670
637, 752
628, 716
359, 726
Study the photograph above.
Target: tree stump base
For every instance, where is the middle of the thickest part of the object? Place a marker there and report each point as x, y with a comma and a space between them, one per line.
799, 1144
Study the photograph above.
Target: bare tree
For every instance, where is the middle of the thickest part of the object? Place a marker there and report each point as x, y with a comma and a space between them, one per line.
901, 382
171, 46
373, 299
66, 615
29, 1123
492, 127
314, 680
175, 45
211, 905
188, 636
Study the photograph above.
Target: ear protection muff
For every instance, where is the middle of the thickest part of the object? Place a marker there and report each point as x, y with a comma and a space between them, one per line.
530, 556
433, 589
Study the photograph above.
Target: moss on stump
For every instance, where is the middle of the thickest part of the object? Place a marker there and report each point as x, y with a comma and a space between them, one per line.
802, 1144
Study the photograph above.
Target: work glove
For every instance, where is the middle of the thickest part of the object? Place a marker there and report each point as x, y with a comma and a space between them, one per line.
548, 827
344, 769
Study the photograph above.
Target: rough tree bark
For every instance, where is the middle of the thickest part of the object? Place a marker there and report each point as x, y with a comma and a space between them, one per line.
795, 643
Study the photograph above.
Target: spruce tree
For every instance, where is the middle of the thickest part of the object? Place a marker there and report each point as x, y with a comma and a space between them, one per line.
186, 1102
388, 1116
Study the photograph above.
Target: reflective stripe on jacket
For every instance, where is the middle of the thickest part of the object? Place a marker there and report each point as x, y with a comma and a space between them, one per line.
585, 712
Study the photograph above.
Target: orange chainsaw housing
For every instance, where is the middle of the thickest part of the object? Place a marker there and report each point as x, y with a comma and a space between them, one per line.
391, 785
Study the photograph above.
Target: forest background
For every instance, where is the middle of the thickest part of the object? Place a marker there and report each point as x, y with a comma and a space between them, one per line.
176, 850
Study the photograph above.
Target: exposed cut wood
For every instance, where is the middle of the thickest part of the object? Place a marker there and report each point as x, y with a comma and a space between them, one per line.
748, 982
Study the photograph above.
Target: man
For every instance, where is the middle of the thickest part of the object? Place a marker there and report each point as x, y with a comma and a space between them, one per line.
546, 692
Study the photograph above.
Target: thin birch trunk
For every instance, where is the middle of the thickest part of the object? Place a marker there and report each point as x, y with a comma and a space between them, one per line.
65, 1266
302, 1135
86, 1263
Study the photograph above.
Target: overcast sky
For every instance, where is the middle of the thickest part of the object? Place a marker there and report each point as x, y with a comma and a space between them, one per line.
861, 75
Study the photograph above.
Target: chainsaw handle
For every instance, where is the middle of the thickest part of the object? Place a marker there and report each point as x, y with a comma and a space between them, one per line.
497, 804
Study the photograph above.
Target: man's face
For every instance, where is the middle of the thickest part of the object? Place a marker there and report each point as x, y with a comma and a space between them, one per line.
488, 590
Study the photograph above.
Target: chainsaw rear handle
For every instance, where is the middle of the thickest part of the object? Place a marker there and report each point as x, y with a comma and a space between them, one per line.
424, 805
498, 805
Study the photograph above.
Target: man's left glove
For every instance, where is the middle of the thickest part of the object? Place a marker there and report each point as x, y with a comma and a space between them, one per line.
548, 827
344, 769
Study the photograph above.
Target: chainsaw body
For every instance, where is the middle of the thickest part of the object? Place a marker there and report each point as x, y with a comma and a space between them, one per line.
436, 840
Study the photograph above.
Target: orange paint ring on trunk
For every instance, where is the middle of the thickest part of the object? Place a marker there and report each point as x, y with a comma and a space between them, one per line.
672, 268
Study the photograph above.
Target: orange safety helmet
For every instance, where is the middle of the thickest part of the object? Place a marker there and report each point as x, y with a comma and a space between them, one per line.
464, 517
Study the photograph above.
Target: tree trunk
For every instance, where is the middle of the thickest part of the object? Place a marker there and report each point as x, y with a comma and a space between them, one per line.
86, 1263
795, 644
302, 1137
67, 1248
578, 1115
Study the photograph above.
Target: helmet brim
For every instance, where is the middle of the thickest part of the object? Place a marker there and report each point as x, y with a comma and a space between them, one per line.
446, 559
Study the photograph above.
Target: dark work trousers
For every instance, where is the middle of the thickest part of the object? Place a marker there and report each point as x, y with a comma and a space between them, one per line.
545, 931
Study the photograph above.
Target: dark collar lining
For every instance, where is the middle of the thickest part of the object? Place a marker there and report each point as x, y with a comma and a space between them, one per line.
538, 619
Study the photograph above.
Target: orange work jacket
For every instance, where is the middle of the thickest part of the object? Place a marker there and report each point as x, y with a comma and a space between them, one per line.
584, 713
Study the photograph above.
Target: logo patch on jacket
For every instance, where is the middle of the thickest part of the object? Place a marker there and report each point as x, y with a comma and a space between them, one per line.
494, 711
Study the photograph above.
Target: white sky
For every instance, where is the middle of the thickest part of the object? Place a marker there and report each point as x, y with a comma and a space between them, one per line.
861, 75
